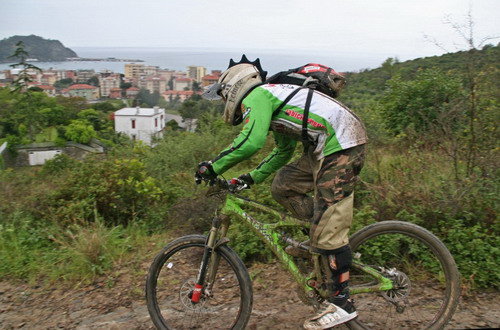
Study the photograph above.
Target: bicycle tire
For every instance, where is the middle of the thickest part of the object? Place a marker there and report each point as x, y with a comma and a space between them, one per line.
377, 310
176, 266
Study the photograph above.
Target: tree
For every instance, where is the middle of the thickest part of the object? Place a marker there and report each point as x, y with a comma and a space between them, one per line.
94, 81
421, 104
146, 97
80, 131
24, 77
471, 75
63, 83
196, 87
189, 111
93, 117
172, 125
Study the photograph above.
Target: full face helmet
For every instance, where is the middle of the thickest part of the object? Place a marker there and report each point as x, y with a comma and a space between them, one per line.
234, 85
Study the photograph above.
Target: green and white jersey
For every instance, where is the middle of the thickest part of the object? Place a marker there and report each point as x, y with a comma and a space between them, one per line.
331, 126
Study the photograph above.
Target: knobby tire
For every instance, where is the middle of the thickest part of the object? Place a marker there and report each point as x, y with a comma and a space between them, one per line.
173, 273
435, 291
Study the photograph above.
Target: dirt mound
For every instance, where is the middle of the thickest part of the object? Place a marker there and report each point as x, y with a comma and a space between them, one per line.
121, 305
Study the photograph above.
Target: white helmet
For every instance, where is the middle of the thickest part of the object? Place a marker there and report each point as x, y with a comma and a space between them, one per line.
234, 85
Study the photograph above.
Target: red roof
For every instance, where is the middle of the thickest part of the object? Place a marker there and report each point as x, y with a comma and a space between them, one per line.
211, 77
81, 86
178, 93
133, 89
47, 87
183, 79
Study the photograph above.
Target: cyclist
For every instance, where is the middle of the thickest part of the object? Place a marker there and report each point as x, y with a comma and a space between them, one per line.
333, 156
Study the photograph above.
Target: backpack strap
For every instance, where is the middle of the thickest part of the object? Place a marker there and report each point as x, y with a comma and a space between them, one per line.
288, 98
305, 139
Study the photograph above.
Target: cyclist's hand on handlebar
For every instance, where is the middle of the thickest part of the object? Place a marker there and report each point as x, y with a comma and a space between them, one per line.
205, 172
246, 178
242, 182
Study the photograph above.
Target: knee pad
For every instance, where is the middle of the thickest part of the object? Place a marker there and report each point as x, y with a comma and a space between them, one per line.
340, 260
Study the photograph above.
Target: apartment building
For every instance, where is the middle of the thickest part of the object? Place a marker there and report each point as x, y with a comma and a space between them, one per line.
48, 78
209, 80
65, 74
133, 71
108, 82
196, 72
151, 70
153, 84
91, 93
181, 96
83, 76
181, 84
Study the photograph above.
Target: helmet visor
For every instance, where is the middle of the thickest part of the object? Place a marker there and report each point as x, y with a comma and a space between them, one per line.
212, 92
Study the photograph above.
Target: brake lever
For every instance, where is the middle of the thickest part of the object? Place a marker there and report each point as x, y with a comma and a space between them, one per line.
235, 186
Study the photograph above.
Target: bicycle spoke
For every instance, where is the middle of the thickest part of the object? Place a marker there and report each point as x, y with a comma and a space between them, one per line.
170, 295
420, 294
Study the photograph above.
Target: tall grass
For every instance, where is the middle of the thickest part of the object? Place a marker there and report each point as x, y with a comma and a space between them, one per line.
77, 254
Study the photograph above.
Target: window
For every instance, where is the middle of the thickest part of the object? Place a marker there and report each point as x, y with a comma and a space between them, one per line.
156, 122
133, 123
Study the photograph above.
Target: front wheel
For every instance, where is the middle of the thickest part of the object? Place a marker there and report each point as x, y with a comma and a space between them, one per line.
426, 281
170, 285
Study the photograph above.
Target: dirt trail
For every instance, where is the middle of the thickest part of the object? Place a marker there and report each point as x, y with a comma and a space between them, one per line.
122, 306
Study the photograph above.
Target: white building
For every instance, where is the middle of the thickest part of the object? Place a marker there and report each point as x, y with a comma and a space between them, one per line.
143, 124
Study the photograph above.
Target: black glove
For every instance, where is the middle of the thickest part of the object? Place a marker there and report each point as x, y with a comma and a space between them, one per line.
205, 172
246, 178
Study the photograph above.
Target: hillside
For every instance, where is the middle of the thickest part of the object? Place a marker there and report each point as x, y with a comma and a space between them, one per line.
44, 50
372, 82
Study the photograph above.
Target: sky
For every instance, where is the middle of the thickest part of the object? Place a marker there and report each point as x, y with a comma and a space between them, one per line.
385, 28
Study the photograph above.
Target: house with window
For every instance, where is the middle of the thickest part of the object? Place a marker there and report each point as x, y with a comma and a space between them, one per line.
47, 89
144, 124
180, 96
91, 93
132, 92
209, 80
181, 84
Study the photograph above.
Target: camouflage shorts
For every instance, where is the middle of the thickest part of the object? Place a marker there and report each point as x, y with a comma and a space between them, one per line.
331, 183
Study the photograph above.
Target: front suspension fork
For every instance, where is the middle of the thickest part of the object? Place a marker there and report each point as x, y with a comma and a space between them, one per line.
210, 260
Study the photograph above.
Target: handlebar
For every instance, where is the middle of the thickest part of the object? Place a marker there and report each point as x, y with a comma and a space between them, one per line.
233, 186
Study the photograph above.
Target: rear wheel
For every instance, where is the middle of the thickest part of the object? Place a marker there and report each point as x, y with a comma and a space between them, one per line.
171, 280
424, 274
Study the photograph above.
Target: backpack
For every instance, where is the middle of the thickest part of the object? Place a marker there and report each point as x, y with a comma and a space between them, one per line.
314, 77
317, 76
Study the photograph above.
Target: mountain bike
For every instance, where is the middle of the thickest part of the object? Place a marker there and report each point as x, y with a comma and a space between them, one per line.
402, 275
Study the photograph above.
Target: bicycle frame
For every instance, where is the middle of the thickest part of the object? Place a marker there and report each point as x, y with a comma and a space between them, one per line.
269, 233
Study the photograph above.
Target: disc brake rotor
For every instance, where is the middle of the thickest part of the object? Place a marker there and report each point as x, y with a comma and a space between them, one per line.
185, 293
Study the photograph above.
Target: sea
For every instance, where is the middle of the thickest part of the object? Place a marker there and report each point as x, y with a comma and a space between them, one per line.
180, 58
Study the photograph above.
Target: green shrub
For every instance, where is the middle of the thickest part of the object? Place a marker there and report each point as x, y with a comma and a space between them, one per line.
120, 191
476, 251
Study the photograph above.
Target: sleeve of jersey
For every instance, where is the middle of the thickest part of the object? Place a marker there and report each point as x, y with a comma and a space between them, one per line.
281, 155
253, 135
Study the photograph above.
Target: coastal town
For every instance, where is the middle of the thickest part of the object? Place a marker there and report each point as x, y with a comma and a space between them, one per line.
172, 85
138, 121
